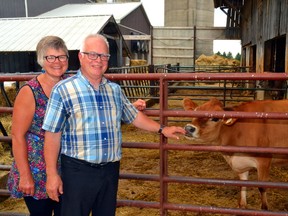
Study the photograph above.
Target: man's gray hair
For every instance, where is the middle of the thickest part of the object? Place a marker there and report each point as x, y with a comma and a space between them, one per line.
94, 36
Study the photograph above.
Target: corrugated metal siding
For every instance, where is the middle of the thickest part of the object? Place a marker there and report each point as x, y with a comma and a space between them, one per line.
19, 37
119, 10
136, 20
16, 8
12, 8
36, 7
131, 16
24, 33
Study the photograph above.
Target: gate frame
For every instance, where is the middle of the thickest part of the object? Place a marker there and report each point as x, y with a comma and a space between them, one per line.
163, 205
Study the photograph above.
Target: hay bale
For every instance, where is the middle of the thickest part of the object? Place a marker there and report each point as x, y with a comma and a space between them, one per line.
216, 60
138, 62
11, 93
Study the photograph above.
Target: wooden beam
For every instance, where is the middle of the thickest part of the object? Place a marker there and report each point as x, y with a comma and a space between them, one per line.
137, 37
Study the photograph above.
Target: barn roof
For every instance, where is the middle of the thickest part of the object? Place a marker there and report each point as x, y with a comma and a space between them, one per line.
228, 3
118, 10
23, 34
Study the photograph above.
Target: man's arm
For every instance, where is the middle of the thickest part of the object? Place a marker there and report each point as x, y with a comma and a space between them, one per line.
54, 184
144, 122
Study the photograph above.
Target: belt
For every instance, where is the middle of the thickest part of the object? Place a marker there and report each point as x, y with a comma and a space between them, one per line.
83, 162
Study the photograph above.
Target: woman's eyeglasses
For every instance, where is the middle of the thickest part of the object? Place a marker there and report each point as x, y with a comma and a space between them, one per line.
52, 58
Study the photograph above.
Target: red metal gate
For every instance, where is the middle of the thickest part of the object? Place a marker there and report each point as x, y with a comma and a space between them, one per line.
163, 113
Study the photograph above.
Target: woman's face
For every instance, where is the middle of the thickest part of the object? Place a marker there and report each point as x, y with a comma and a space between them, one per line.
55, 62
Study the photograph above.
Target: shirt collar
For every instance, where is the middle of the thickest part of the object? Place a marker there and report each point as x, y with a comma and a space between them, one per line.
86, 81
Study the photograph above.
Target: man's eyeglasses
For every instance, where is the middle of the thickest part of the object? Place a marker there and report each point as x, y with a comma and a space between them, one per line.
94, 56
52, 58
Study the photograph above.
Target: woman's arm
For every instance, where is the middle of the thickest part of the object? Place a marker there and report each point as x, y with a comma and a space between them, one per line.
23, 112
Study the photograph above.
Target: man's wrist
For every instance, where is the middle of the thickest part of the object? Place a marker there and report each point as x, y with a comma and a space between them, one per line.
161, 129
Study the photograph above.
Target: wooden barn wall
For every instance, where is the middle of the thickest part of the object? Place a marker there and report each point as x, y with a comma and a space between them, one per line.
286, 50
263, 20
284, 17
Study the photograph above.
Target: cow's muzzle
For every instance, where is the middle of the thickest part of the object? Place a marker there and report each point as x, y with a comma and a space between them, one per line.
189, 130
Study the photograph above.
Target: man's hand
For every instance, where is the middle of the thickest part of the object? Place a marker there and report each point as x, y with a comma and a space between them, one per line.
54, 187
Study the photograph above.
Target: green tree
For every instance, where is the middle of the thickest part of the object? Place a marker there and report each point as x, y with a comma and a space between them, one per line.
238, 57
229, 55
219, 53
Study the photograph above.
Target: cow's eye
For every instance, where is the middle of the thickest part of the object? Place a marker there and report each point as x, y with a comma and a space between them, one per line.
215, 119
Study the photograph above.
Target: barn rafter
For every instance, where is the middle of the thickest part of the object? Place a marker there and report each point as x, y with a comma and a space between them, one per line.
232, 8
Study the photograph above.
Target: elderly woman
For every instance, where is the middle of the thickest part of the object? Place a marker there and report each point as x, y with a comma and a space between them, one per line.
28, 173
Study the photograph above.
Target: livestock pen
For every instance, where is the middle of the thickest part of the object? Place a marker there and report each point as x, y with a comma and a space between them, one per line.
165, 178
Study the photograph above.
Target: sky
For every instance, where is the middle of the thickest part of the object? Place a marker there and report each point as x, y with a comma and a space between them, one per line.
155, 12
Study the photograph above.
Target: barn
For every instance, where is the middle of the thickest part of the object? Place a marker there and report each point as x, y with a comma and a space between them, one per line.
21, 35
125, 24
263, 29
130, 17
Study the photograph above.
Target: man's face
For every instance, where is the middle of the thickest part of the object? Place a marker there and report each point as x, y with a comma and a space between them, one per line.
94, 58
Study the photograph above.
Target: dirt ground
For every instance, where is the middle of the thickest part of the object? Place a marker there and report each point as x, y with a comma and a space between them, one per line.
180, 163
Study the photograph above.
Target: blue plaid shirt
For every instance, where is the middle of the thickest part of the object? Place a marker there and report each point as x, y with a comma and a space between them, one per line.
90, 120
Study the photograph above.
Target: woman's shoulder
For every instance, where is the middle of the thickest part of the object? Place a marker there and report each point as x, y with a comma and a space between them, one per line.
33, 81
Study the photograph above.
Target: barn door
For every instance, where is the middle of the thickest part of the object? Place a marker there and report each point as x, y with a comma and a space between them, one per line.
274, 61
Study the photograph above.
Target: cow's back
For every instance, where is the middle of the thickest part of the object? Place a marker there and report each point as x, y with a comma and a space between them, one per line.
262, 132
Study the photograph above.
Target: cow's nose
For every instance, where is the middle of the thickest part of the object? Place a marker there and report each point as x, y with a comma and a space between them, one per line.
189, 129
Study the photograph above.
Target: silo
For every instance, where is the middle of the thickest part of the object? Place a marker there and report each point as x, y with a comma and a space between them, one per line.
190, 13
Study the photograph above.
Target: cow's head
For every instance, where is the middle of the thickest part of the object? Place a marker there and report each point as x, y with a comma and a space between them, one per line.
205, 129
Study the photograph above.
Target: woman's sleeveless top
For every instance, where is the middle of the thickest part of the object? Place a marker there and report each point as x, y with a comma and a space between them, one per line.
35, 146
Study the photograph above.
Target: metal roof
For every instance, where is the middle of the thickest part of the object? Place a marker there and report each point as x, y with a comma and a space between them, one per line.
23, 34
118, 10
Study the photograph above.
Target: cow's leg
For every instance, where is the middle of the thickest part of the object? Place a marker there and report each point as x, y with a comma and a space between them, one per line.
263, 175
243, 190
263, 194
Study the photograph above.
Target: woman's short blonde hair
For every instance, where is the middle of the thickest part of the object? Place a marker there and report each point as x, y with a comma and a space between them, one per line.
47, 42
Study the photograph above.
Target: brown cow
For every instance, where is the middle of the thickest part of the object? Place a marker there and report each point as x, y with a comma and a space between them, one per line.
242, 132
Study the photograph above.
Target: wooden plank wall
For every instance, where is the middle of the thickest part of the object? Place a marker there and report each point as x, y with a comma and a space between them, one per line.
261, 21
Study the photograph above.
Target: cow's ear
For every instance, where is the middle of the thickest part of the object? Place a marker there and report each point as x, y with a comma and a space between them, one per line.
229, 121
216, 102
188, 104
